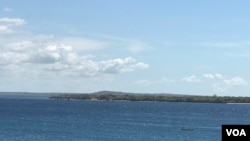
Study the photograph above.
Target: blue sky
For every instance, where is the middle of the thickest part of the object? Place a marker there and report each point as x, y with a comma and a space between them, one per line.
184, 47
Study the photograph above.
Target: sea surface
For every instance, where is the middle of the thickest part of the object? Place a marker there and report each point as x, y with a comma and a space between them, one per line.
69, 120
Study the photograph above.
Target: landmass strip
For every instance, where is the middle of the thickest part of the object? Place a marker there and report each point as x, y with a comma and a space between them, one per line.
163, 97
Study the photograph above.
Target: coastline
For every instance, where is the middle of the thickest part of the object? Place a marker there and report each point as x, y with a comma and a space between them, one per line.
120, 96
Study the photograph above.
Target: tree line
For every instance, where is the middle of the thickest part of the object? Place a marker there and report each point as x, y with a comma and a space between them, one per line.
154, 97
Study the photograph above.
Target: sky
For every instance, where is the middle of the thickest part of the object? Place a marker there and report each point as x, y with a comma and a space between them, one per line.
182, 47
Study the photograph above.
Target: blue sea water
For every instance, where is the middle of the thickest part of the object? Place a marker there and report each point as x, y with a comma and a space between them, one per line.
63, 120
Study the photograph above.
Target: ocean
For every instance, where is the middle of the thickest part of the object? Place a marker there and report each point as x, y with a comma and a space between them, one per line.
72, 120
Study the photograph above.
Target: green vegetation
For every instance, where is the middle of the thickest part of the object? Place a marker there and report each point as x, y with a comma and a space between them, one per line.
109, 95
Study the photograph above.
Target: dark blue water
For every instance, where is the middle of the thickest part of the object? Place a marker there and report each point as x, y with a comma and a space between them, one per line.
62, 120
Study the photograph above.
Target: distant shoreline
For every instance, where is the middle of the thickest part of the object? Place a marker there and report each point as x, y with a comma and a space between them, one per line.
121, 96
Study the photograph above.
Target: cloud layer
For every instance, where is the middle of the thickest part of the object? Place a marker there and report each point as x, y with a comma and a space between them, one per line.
191, 78
146, 82
59, 59
7, 24
67, 56
218, 82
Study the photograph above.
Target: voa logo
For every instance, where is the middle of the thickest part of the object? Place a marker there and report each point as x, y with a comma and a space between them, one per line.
236, 132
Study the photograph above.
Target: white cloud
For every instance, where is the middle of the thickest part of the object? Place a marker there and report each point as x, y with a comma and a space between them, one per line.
48, 56
121, 65
224, 84
60, 60
20, 46
212, 76
229, 85
7, 24
219, 76
5, 29
208, 76
153, 82
218, 83
191, 78
79, 44
10, 58
235, 81
219, 87
12, 21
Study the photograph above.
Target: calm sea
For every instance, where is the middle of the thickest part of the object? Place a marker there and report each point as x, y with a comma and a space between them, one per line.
62, 120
